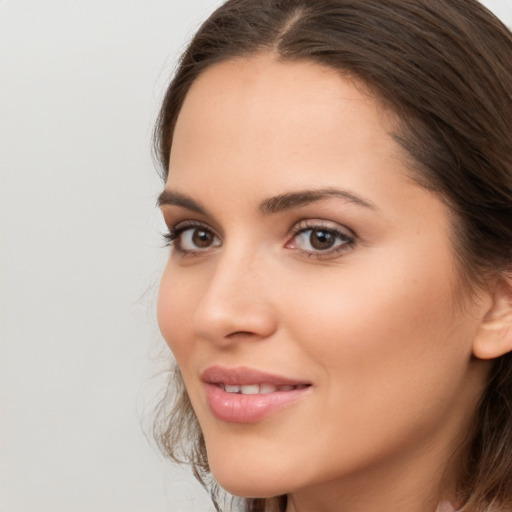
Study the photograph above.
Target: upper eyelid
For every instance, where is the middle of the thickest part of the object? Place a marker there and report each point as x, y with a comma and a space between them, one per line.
306, 224
298, 226
182, 225
175, 214
190, 223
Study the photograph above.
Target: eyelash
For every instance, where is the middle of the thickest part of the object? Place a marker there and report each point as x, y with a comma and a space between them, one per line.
348, 238
174, 234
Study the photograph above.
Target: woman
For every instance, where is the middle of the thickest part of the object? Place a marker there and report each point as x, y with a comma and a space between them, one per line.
338, 297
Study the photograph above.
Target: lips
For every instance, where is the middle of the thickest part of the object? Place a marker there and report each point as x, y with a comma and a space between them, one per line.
245, 395
255, 389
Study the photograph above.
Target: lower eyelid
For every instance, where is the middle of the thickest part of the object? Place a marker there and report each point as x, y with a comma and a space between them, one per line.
333, 253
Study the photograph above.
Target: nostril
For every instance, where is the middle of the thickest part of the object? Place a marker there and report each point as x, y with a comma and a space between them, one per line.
240, 334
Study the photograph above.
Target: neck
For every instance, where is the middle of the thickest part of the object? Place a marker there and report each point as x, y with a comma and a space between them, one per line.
415, 483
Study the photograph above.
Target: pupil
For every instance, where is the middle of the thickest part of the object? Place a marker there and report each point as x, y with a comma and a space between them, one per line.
202, 238
321, 239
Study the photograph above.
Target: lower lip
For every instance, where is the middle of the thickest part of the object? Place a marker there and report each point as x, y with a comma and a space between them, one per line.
239, 408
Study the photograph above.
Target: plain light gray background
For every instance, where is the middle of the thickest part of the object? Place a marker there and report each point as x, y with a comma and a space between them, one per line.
81, 253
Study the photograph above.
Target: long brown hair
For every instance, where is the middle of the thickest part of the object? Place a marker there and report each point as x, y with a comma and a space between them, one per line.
445, 68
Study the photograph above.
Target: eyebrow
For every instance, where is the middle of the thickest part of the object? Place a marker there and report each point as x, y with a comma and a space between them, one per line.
273, 204
169, 197
304, 197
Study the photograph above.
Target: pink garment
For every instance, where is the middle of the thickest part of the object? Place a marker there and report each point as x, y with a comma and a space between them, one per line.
445, 506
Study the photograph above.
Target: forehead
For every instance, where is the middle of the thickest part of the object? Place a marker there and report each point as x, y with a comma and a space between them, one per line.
264, 110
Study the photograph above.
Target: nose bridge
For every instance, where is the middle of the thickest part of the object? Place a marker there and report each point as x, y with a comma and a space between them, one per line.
236, 299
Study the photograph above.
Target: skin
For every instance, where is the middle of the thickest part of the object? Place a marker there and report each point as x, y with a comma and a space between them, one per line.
375, 327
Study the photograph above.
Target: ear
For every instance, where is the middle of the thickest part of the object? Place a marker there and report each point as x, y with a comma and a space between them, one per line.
494, 337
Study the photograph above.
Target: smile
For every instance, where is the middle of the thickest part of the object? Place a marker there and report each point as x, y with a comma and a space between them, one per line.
244, 395
259, 389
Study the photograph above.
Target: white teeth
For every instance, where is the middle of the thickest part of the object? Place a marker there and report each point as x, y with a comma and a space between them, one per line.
250, 389
254, 389
267, 388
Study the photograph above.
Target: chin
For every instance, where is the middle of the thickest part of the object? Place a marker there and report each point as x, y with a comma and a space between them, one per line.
244, 480
249, 489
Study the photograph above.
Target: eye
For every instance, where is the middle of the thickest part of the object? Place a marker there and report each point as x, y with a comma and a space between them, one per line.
192, 238
196, 238
320, 239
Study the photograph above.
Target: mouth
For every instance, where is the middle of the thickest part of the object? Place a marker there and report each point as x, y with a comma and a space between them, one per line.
258, 389
245, 395
245, 377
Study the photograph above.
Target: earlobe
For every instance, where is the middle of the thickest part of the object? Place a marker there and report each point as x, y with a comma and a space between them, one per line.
494, 336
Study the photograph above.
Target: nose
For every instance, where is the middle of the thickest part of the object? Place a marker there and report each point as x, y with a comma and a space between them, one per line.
236, 303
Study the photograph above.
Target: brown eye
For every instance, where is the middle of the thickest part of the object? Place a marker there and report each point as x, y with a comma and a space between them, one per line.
202, 238
196, 239
321, 239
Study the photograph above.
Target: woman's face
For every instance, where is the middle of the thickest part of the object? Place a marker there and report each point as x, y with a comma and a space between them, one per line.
309, 297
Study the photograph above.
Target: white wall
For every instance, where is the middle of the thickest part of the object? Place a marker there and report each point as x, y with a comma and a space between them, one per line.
80, 260
81, 255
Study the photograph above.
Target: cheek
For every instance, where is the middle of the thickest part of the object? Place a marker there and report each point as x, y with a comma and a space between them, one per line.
388, 352
382, 333
175, 299
370, 306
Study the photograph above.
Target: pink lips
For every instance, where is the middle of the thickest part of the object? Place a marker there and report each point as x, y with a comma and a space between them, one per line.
244, 395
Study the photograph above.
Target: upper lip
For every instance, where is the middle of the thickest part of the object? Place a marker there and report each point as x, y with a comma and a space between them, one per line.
242, 376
